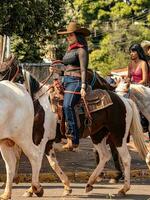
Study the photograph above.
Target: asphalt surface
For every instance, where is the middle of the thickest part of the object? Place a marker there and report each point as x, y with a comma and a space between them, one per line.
140, 190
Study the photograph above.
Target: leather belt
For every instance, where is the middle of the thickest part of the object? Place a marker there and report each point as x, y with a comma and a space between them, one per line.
75, 74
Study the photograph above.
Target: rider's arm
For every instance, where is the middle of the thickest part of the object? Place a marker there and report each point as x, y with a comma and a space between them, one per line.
83, 59
129, 72
144, 72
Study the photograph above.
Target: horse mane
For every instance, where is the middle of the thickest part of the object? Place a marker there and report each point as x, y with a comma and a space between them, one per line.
31, 83
34, 84
138, 87
102, 83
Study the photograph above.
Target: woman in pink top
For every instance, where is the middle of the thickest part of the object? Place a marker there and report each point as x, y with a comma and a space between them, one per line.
138, 72
138, 68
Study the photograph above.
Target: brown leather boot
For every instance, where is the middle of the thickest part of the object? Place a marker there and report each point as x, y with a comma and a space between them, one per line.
69, 145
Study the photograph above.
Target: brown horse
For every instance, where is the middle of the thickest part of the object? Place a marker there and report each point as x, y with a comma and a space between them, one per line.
115, 121
97, 82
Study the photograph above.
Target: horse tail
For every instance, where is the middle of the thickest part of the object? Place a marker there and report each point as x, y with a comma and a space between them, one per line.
137, 131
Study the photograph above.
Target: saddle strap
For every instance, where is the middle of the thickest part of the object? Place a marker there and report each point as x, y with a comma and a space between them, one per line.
71, 92
87, 109
87, 114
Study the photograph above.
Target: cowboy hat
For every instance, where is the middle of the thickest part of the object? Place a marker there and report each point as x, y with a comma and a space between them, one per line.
145, 44
74, 27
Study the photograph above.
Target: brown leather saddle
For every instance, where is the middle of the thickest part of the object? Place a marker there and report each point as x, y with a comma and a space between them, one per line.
95, 99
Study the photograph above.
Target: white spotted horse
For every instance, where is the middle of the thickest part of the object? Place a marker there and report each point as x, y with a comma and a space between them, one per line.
96, 82
115, 120
16, 123
29, 124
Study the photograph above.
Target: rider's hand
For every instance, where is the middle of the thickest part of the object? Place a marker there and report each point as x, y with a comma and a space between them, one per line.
51, 69
83, 92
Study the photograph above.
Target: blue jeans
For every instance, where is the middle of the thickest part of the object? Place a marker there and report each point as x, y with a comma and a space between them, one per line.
70, 100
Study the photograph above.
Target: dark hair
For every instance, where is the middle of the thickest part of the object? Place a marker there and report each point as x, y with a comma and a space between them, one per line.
140, 51
81, 39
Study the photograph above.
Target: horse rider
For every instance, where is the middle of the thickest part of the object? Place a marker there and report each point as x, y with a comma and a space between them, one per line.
76, 64
138, 72
138, 67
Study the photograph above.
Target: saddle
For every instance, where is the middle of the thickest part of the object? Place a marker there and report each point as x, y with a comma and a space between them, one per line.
95, 99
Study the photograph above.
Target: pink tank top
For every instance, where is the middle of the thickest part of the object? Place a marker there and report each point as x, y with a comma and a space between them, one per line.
136, 74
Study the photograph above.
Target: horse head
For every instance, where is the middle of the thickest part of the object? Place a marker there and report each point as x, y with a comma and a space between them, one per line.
123, 86
9, 69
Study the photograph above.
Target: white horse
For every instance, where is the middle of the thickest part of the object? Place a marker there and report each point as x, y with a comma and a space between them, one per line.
17, 123
139, 93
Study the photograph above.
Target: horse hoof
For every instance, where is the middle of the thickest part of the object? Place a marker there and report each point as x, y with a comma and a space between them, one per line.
27, 194
16, 179
3, 185
88, 188
121, 193
4, 197
67, 192
40, 193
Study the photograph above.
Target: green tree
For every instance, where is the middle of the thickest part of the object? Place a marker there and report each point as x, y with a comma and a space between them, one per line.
32, 21
115, 25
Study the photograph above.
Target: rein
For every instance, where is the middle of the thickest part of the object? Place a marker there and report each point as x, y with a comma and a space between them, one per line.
8, 71
43, 93
93, 80
17, 72
43, 83
45, 80
5, 72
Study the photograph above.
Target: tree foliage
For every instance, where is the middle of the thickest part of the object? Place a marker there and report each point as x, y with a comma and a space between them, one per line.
115, 25
32, 21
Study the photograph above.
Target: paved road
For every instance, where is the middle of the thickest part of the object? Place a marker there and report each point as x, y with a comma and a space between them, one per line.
78, 165
140, 190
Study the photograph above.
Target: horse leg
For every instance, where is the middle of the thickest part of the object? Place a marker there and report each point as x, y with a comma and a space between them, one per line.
50, 154
18, 154
104, 155
117, 163
126, 161
9, 157
35, 155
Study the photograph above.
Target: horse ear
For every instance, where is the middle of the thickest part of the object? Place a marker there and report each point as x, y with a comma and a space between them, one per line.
118, 80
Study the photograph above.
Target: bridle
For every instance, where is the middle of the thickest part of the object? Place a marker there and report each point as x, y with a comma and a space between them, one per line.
7, 73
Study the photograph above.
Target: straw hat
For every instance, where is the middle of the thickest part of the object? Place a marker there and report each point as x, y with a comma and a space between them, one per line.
145, 44
74, 27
